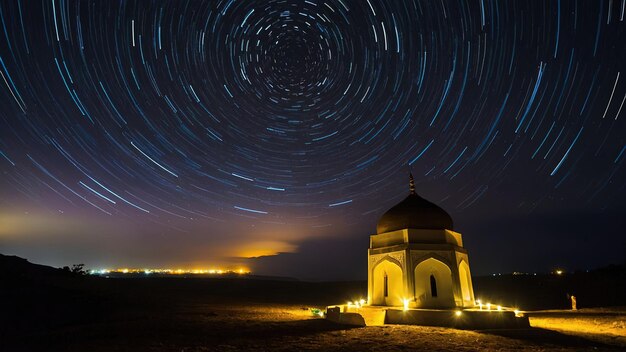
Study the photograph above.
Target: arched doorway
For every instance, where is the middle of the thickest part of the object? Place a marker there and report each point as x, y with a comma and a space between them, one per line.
388, 288
433, 284
466, 284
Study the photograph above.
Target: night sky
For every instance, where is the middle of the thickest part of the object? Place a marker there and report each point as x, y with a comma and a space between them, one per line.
195, 134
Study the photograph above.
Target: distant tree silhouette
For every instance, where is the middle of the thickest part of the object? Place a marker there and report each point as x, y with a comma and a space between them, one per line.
75, 269
78, 269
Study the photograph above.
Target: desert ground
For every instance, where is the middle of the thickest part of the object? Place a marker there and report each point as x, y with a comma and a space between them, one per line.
276, 327
68, 313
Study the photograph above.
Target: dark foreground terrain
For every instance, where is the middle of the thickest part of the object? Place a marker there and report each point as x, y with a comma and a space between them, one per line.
45, 309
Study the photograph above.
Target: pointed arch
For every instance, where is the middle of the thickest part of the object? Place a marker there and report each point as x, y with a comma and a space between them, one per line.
387, 258
418, 260
467, 291
433, 284
388, 283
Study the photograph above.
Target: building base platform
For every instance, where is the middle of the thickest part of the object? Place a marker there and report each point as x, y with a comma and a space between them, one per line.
469, 319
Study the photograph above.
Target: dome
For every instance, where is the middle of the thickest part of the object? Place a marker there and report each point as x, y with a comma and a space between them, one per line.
414, 212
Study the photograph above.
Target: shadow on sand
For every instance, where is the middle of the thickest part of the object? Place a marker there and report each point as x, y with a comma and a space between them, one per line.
547, 337
292, 328
141, 335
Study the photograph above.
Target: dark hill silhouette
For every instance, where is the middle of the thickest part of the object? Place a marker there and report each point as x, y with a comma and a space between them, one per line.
35, 297
14, 267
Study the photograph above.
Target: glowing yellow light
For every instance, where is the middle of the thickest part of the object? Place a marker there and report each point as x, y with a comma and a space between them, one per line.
362, 301
458, 313
488, 306
406, 304
559, 272
499, 308
479, 304
517, 313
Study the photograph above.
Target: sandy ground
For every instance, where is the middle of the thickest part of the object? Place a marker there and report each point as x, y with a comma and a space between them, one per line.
606, 326
250, 315
275, 327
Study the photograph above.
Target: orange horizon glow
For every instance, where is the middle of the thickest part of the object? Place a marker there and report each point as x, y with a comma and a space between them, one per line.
257, 249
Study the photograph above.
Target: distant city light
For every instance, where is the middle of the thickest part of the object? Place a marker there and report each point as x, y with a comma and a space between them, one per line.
240, 271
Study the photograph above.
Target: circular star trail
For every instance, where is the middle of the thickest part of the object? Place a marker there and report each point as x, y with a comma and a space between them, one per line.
303, 118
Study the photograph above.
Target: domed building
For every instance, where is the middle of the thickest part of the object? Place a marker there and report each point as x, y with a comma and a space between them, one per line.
417, 260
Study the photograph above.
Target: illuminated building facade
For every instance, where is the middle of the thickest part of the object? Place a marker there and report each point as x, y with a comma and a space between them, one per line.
416, 260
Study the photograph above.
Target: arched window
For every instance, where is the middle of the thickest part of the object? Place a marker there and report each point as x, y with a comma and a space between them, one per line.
386, 285
433, 286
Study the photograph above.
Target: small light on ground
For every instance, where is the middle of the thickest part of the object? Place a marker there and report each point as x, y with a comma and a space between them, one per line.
458, 313
317, 312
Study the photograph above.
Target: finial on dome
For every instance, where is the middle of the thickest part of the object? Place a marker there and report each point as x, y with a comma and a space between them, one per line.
411, 183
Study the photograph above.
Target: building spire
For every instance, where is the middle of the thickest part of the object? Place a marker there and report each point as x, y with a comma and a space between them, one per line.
411, 183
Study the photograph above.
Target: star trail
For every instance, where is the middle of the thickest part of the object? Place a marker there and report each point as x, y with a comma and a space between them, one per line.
157, 132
